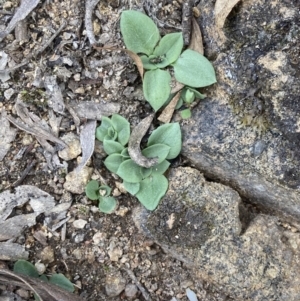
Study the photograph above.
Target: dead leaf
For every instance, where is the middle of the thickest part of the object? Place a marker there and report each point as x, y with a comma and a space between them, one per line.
22, 12
44, 290
222, 10
53, 91
7, 135
133, 55
196, 38
87, 142
94, 110
134, 148
32, 124
167, 113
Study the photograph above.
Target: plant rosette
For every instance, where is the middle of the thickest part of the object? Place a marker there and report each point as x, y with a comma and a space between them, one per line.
149, 185
26, 268
95, 192
141, 36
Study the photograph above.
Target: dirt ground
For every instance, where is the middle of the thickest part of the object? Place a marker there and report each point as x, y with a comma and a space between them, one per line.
101, 252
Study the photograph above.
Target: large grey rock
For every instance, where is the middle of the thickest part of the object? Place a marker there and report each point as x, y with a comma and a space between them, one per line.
198, 223
246, 134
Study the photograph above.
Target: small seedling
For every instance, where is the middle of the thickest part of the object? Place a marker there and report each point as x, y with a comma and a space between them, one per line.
28, 269
192, 69
94, 192
149, 185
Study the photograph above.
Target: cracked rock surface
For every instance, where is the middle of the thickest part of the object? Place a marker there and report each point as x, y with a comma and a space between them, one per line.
198, 222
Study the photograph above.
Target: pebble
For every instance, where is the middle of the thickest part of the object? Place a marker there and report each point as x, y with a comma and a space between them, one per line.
41, 268
47, 255
79, 238
77, 180
115, 254
73, 150
114, 284
79, 223
9, 93
131, 291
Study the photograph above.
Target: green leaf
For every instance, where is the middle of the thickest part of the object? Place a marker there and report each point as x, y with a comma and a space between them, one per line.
146, 172
122, 127
193, 69
25, 268
112, 147
139, 32
197, 93
132, 188
169, 47
44, 278
102, 130
160, 168
125, 153
179, 103
168, 134
92, 190
157, 150
62, 281
107, 204
189, 96
104, 190
152, 189
111, 134
112, 162
156, 87
129, 171
186, 114
147, 63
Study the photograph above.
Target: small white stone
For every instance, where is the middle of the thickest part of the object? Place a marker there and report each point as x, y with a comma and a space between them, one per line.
73, 149
41, 268
79, 223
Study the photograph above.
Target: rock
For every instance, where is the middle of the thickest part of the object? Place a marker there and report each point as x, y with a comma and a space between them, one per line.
73, 150
47, 255
246, 133
115, 284
79, 223
79, 238
131, 291
76, 181
115, 254
246, 259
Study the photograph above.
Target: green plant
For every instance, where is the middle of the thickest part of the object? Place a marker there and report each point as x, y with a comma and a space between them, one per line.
149, 185
192, 69
28, 269
94, 191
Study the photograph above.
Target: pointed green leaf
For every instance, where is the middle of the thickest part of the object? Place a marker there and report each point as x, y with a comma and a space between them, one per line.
92, 190
168, 134
130, 172
132, 188
193, 69
189, 96
152, 189
156, 87
112, 147
139, 32
197, 93
160, 168
186, 114
112, 162
25, 268
102, 130
169, 47
146, 172
122, 127
179, 103
107, 204
157, 150
62, 281
125, 153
